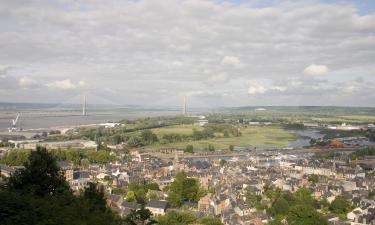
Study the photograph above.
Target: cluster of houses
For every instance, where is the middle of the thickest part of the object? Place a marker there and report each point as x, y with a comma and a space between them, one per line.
229, 182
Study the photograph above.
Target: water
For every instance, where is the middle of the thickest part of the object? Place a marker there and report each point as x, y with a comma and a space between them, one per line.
34, 116
305, 136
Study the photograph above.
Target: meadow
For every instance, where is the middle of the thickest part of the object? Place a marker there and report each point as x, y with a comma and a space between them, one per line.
258, 136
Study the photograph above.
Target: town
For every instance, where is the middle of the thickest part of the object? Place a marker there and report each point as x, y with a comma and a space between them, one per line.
333, 178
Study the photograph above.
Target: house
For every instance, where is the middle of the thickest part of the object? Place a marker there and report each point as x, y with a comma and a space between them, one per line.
157, 207
67, 168
202, 122
78, 185
126, 207
7, 171
204, 202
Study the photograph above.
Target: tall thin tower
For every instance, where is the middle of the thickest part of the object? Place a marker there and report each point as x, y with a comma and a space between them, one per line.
184, 106
84, 106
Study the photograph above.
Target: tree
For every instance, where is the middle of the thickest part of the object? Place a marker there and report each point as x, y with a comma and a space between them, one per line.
151, 194
223, 162
175, 190
313, 178
303, 196
117, 139
141, 216
85, 163
280, 207
324, 203
130, 196
306, 215
275, 222
134, 142
189, 149
289, 197
152, 186
103, 157
94, 197
39, 194
252, 198
140, 195
184, 189
210, 221
272, 192
16, 158
148, 137
177, 218
340, 206
41, 176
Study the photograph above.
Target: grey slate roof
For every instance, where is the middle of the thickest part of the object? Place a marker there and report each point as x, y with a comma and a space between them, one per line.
157, 204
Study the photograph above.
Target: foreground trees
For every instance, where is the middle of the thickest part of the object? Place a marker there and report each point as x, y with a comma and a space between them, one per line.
141, 216
186, 218
40, 195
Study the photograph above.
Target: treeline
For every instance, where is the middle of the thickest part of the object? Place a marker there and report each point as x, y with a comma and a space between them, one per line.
244, 117
331, 134
156, 122
138, 133
6, 144
122, 133
77, 156
147, 137
361, 154
294, 126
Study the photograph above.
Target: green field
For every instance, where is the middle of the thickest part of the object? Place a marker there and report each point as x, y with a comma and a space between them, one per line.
177, 129
259, 136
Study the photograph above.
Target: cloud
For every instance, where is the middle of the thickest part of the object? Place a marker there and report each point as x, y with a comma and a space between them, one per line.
83, 84
256, 88
231, 61
218, 78
61, 85
3, 69
26, 82
314, 69
7, 82
139, 48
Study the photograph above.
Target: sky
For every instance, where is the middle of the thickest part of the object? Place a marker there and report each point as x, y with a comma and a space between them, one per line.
217, 53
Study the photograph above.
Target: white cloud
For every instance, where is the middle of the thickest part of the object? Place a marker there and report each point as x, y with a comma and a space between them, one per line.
231, 61
82, 83
218, 78
314, 69
177, 63
62, 85
26, 82
256, 88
